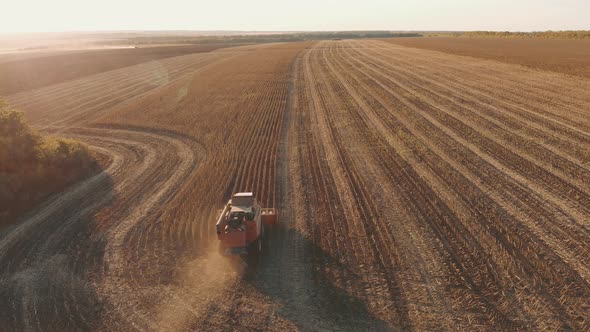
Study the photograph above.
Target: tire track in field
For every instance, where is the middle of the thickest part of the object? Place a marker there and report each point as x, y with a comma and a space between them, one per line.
167, 178
67, 255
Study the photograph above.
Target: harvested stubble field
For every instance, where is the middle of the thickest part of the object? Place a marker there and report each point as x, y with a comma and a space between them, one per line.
568, 56
417, 191
22, 72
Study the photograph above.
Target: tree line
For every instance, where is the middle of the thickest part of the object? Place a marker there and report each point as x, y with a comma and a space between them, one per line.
572, 34
33, 166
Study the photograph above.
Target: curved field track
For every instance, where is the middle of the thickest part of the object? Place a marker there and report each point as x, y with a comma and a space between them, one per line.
416, 191
54, 258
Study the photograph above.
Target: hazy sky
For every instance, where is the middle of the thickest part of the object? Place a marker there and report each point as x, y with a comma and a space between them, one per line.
83, 15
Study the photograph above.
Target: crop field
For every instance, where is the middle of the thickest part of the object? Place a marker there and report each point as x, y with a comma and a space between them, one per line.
23, 72
568, 56
450, 191
417, 190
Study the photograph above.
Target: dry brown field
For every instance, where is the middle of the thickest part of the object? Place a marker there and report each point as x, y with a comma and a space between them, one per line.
26, 71
417, 190
568, 56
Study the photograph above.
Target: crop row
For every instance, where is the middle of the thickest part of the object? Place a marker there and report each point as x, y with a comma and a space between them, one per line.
499, 211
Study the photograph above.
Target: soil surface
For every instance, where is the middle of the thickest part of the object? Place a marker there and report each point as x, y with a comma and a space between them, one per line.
568, 56
25, 71
416, 190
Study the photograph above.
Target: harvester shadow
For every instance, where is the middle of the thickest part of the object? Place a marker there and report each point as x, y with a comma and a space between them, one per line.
292, 272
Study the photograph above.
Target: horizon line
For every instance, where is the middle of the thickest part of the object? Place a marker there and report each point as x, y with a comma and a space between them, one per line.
267, 31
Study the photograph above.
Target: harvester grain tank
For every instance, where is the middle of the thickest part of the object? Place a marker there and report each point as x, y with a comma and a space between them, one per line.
241, 225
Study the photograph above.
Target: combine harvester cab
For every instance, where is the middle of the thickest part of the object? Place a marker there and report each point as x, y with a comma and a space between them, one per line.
241, 225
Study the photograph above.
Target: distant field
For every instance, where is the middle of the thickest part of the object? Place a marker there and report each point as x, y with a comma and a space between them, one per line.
31, 72
563, 56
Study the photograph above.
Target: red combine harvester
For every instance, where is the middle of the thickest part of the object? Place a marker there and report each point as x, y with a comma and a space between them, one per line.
240, 227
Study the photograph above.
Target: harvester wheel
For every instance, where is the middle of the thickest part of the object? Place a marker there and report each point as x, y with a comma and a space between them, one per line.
259, 246
261, 238
255, 249
268, 230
